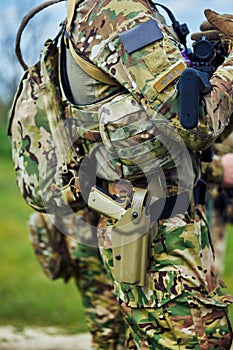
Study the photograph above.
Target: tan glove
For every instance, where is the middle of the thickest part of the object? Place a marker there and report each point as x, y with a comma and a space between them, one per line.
207, 30
224, 24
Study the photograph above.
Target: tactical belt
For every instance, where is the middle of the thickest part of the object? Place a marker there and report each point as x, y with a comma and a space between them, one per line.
162, 208
171, 206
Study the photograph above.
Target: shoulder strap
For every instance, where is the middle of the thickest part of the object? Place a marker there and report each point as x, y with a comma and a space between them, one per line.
90, 68
85, 65
23, 24
71, 5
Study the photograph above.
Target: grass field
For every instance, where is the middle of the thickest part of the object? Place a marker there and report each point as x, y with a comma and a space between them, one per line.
27, 297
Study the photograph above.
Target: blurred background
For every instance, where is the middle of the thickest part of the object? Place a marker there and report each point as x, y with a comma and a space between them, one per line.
27, 297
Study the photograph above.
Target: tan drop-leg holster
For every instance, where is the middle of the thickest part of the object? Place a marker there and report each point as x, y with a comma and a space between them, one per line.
130, 242
131, 234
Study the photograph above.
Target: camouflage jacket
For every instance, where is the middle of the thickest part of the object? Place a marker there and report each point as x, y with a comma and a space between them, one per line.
98, 33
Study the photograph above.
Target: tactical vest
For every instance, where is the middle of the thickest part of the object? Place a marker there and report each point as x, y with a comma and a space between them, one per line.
137, 50
138, 126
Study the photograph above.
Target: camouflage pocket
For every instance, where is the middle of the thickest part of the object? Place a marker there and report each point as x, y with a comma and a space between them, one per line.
140, 143
211, 320
161, 287
150, 71
50, 247
182, 322
192, 323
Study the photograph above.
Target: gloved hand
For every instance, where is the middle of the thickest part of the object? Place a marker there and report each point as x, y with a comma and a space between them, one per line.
223, 23
214, 30
207, 30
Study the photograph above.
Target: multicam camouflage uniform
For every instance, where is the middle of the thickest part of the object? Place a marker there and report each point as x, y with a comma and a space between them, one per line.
182, 304
56, 243
219, 202
142, 147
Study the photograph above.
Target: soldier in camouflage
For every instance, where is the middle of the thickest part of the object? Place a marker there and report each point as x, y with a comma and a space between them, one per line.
152, 231
181, 304
65, 247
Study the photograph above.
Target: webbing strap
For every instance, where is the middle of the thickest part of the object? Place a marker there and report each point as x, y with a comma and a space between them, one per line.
71, 4
168, 207
85, 65
90, 68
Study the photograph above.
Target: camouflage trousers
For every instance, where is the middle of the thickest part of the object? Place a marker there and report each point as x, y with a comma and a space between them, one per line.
103, 315
182, 304
168, 313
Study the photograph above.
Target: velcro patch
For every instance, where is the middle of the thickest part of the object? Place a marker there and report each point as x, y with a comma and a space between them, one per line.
141, 35
169, 76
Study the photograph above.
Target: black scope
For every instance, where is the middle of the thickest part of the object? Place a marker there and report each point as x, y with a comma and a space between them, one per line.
203, 50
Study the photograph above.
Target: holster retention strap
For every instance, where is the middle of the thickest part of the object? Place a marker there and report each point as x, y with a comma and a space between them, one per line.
130, 238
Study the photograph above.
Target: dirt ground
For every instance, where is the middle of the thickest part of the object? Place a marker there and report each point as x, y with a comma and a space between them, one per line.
41, 339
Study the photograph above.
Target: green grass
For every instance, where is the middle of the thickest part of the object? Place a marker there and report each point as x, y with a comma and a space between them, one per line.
227, 278
27, 297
